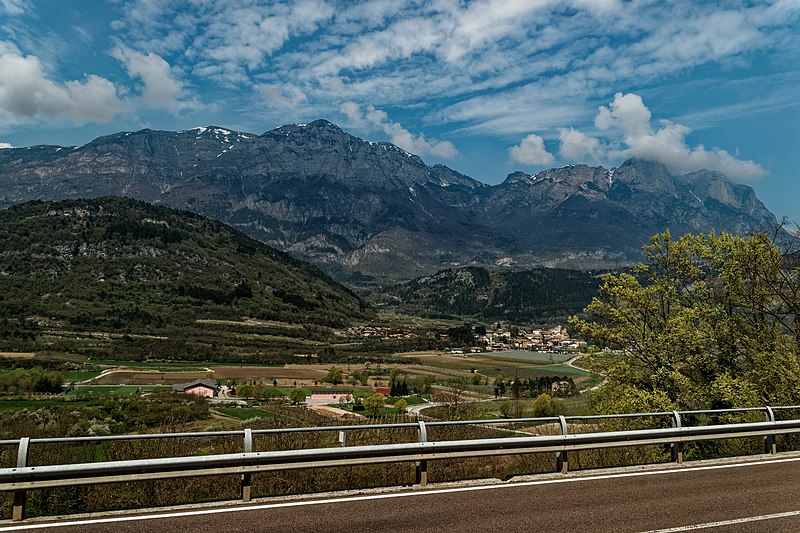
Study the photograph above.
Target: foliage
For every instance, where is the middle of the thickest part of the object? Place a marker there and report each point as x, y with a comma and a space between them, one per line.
297, 396
545, 405
117, 264
335, 375
374, 403
536, 295
104, 416
401, 405
706, 321
22, 381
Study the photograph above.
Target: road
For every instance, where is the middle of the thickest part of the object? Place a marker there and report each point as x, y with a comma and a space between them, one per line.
729, 497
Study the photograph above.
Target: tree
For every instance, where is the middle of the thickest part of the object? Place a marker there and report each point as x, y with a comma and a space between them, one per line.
544, 405
401, 405
453, 397
423, 384
297, 396
335, 375
705, 321
374, 403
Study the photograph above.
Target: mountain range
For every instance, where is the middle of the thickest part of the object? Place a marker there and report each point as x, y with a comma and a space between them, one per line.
372, 212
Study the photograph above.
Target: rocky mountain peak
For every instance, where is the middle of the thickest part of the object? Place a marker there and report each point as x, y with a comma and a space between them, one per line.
648, 177
372, 209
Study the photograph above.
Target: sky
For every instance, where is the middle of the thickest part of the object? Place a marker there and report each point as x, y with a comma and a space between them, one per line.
486, 87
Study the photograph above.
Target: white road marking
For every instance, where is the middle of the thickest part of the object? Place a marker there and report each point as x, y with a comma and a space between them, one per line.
179, 514
732, 522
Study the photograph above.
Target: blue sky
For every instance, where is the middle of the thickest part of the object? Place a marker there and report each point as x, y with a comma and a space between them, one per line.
485, 87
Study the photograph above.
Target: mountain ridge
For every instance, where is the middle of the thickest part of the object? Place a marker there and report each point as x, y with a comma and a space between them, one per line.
372, 211
112, 263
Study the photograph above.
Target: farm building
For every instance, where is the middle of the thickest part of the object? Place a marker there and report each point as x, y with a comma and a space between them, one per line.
206, 388
332, 394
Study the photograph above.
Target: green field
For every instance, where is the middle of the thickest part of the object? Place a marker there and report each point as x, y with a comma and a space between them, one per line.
536, 371
529, 357
93, 391
80, 376
25, 403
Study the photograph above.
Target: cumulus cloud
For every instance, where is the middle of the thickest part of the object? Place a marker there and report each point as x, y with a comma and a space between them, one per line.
160, 88
531, 151
28, 94
577, 146
398, 135
281, 96
627, 121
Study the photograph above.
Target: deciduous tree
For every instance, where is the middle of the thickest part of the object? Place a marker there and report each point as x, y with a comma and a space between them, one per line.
706, 320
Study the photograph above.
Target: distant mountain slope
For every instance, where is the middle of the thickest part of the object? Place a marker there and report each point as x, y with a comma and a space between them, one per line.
367, 210
116, 263
536, 295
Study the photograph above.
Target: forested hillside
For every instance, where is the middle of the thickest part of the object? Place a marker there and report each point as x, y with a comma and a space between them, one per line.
535, 295
116, 264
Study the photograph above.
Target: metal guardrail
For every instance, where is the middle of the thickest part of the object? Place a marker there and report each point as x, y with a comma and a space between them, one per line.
23, 477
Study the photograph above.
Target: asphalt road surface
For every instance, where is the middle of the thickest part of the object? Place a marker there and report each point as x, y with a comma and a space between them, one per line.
753, 496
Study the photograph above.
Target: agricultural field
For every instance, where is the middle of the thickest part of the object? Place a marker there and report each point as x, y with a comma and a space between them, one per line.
439, 366
526, 356
95, 391
17, 355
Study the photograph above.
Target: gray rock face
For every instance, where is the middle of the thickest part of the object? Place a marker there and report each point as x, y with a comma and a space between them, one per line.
369, 209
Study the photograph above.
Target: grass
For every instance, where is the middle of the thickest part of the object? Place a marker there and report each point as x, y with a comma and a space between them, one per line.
82, 391
410, 400
162, 366
80, 376
529, 357
25, 403
561, 370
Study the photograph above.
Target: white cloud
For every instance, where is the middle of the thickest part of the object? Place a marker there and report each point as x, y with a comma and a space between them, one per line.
531, 151
5, 146
14, 7
27, 93
631, 134
577, 146
160, 87
281, 96
466, 60
416, 144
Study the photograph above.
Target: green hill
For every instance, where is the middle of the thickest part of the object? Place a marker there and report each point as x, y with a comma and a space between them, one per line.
536, 295
116, 264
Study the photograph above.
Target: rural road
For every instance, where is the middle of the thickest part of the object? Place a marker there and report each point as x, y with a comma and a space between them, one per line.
758, 495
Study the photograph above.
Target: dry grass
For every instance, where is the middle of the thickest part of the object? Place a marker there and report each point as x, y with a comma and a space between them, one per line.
312, 372
17, 355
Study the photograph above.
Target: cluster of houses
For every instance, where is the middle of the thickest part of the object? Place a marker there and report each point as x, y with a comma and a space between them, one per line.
539, 340
379, 331
208, 388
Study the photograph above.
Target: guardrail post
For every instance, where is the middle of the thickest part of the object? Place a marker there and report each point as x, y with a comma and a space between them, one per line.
248, 447
676, 447
562, 461
20, 496
422, 466
770, 446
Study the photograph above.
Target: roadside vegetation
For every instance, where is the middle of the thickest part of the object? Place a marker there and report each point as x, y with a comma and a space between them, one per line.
706, 321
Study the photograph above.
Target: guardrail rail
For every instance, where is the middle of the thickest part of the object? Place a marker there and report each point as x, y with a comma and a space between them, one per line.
23, 477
